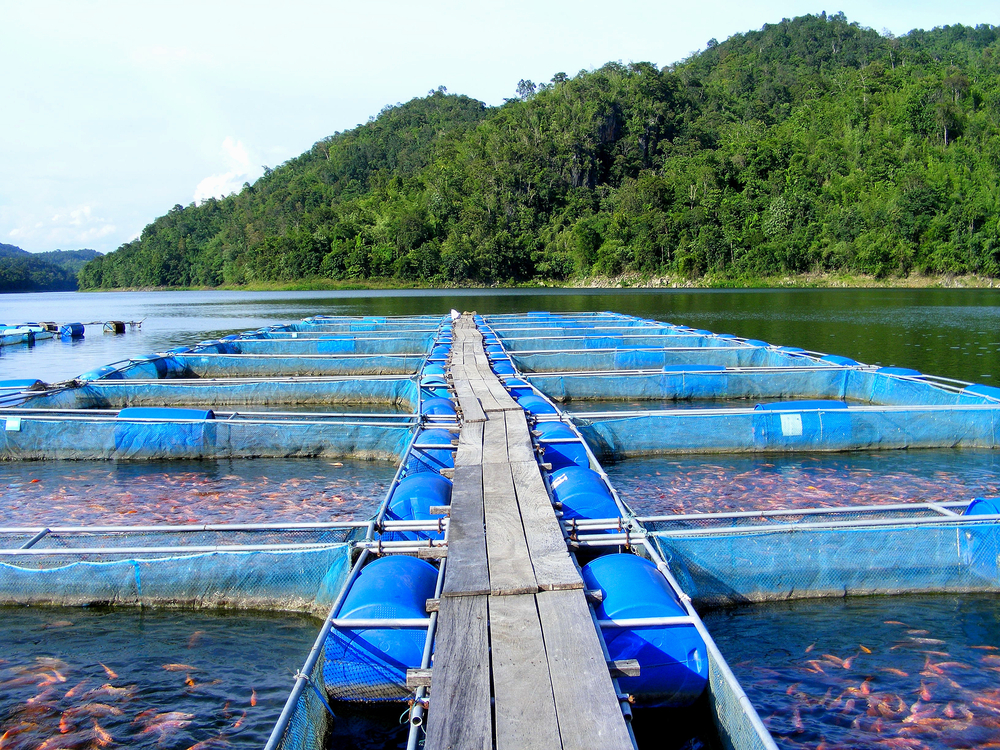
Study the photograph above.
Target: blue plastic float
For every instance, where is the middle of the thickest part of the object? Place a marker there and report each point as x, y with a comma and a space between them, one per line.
673, 660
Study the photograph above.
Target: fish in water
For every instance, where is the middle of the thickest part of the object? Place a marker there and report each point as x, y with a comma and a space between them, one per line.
180, 668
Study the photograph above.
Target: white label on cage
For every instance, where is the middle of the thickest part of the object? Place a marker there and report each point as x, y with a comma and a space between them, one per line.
791, 425
13, 424
295, 334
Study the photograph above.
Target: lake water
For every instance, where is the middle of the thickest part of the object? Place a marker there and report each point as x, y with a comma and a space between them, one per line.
157, 679
279, 490
948, 332
864, 673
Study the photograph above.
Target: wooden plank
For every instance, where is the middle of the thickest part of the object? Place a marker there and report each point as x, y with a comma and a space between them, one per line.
495, 439
467, 574
519, 446
525, 707
550, 560
506, 548
459, 717
484, 395
470, 445
502, 396
472, 410
587, 706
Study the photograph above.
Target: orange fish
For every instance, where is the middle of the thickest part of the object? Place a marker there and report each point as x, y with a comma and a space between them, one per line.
76, 688
179, 668
112, 675
101, 737
253, 697
239, 721
893, 670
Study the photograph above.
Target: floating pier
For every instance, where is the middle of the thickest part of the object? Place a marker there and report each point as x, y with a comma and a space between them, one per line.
504, 589
513, 612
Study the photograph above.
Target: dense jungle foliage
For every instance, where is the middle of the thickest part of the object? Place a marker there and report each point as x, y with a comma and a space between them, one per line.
810, 145
55, 271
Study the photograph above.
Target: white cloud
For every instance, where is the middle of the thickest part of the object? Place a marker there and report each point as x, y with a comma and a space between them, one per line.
68, 227
224, 183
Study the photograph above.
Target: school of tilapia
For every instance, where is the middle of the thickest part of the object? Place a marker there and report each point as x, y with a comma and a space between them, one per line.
95, 495
80, 708
897, 685
715, 483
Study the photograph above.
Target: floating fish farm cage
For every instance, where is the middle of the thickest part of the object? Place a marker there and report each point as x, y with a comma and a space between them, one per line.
494, 472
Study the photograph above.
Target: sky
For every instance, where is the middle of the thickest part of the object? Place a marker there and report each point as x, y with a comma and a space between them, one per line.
113, 112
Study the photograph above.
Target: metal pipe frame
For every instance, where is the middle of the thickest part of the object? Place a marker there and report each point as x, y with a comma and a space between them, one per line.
313, 657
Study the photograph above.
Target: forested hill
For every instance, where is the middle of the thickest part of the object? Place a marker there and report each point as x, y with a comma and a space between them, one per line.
810, 145
54, 271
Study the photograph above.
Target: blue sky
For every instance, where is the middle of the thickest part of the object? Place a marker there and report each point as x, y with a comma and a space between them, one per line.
112, 112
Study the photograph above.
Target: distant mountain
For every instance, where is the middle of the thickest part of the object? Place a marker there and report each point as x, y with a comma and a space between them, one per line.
53, 271
810, 145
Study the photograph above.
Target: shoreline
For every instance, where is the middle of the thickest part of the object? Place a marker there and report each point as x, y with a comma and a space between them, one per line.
799, 281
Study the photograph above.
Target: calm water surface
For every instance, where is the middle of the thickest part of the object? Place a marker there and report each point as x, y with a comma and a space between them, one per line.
948, 332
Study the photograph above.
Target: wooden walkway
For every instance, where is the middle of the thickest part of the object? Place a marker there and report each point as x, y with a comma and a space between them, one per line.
518, 664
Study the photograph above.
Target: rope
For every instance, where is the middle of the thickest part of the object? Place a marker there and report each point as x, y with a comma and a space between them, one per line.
300, 675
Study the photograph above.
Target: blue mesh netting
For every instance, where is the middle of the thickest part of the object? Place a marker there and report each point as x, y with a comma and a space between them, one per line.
748, 564
608, 340
819, 383
194, 365
722, 353
116, 394
292, 579
751, 430
40, 437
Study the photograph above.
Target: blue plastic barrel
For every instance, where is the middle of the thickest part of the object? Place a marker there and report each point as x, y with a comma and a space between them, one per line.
371, 664
583, 493
756, 342
438, 406
504, 367
673, 660
412, 499
494, 349
979, 545
791, 349
836, 359
433, 459
536, 405
20, 384
518, 387
433, 370
561, 455
178, 350
71, 331
433, 378
440, 351
102, 373
702, 332
231, 337
163, 412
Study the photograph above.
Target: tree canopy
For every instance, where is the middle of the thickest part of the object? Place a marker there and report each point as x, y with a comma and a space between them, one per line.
812, 144
54, 271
